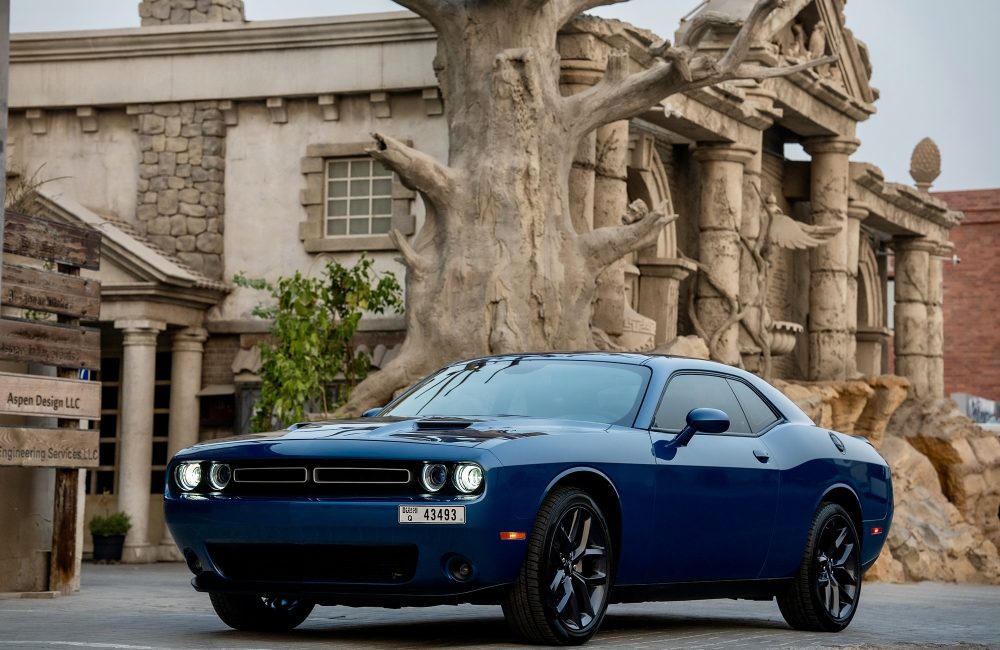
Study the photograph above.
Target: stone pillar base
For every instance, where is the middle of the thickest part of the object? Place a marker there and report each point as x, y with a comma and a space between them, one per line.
144, 554
169, 553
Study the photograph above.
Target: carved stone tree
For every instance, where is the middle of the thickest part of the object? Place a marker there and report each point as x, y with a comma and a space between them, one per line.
498, 266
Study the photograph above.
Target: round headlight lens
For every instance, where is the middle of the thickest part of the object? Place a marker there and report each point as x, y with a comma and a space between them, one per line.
188, 476
434, 476
468, 477
219, 475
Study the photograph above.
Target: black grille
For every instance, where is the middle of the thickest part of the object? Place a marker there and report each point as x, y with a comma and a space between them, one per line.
315, 562
363, 475
271, 475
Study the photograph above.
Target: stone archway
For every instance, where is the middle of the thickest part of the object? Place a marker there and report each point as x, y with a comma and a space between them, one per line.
660, 270
872, 336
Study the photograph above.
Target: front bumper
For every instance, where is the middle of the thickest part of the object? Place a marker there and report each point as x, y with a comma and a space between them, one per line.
201, 523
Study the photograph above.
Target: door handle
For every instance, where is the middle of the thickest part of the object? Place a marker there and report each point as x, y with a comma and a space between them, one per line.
761, 455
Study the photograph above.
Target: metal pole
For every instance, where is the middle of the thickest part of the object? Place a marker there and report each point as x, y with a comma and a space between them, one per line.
4, 81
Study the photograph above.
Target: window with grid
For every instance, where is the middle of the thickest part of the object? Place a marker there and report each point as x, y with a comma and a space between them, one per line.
358, 197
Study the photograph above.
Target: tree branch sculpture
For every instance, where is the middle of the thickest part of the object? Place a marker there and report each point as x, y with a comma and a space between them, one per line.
498, 265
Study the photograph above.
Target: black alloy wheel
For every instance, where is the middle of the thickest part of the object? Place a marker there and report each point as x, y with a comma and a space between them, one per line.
260, 613
827, 588
562, 592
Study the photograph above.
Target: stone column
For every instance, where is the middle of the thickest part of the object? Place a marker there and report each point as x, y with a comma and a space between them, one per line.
935, 320
659, 288
136, 443
610, 203
911, 315
185, 382
830, 355
719, 220
855, 216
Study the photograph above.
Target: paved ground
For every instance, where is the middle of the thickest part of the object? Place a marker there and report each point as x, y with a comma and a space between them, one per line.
152, 607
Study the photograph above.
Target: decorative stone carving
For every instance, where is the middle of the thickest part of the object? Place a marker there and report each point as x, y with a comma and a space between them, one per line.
433, 102
37, 120
381, 107
783, 337
638, 331
278, 110
925, 164
817, 41
88, 118
330, 105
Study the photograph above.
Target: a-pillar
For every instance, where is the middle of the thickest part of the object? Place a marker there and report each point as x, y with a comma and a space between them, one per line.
719, 219
830, 350
136, 441
187, 353
610, 203
935, 319
911, 317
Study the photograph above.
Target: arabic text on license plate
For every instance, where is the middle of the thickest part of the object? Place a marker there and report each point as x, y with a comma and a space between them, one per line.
432, 514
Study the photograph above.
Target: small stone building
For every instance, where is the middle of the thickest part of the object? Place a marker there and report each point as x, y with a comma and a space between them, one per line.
203, 145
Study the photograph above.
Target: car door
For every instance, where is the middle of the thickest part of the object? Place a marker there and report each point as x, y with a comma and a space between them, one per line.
715, 497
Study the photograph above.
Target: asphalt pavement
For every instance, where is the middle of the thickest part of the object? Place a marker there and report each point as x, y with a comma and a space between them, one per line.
153, 607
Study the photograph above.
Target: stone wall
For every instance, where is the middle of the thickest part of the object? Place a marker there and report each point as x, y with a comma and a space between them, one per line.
185, 12
181, 190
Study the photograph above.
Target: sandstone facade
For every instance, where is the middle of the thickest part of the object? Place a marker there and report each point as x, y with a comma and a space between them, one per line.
185, 12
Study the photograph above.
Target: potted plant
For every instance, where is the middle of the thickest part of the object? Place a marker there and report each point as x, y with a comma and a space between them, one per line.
108, 533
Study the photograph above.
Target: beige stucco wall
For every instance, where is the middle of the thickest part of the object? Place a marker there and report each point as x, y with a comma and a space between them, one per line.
97, 169
263, 178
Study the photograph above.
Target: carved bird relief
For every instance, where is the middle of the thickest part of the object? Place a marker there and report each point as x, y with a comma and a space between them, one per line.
786, 232
817, 41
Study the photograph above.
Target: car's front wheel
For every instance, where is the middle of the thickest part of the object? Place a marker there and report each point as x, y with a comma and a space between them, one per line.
260, 613
824, 596
562, 591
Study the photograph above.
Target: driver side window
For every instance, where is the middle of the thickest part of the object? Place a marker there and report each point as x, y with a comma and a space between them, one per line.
686, 392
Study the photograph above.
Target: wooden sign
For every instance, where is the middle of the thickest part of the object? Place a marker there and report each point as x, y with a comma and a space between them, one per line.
49, 447
50, 343
52, 241
57, 293
49, 397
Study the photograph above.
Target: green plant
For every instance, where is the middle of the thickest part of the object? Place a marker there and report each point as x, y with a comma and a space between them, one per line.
310, 346
117, 523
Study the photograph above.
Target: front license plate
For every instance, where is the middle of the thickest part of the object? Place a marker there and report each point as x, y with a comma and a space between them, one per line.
432, 514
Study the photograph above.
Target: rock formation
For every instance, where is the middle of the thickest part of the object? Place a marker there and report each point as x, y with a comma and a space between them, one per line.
946, 476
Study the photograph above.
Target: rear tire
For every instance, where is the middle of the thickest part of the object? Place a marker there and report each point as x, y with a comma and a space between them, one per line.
260, 613
827, 588
561, 592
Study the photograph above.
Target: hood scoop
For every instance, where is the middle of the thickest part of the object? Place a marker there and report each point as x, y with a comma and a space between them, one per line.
438, 424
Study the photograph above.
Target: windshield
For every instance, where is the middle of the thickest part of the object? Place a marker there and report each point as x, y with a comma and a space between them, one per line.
593, 391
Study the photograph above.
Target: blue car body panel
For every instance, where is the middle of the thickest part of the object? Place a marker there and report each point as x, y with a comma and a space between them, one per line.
725, 509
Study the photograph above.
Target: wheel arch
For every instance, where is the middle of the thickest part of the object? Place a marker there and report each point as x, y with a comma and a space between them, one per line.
846, 498
603, 490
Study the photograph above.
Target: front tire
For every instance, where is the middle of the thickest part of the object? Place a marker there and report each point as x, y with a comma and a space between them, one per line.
561, 593
827, 588
260, 613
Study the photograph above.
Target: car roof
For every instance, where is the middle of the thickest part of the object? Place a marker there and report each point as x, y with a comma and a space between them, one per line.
668, 364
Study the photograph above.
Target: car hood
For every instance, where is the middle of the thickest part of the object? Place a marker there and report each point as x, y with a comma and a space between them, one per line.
465, 432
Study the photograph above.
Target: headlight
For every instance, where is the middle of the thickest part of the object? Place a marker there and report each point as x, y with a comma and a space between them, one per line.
468, 477
433, 477
188, 475
219, 475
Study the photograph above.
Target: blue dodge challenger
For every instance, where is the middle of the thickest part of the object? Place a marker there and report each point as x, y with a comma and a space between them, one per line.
550, 484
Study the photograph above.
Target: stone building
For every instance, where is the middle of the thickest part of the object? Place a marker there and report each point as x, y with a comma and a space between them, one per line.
202, 145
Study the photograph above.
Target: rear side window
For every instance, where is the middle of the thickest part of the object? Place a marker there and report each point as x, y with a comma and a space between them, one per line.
758, 413
686, 392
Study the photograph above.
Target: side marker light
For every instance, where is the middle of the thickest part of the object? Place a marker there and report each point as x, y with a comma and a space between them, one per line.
513, 536
877, 530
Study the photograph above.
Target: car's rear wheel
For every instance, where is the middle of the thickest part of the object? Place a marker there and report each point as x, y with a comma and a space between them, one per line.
260, 613
561, 593
827, 588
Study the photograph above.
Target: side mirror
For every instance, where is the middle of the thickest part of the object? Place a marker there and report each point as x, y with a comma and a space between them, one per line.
704, 421
370, 413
